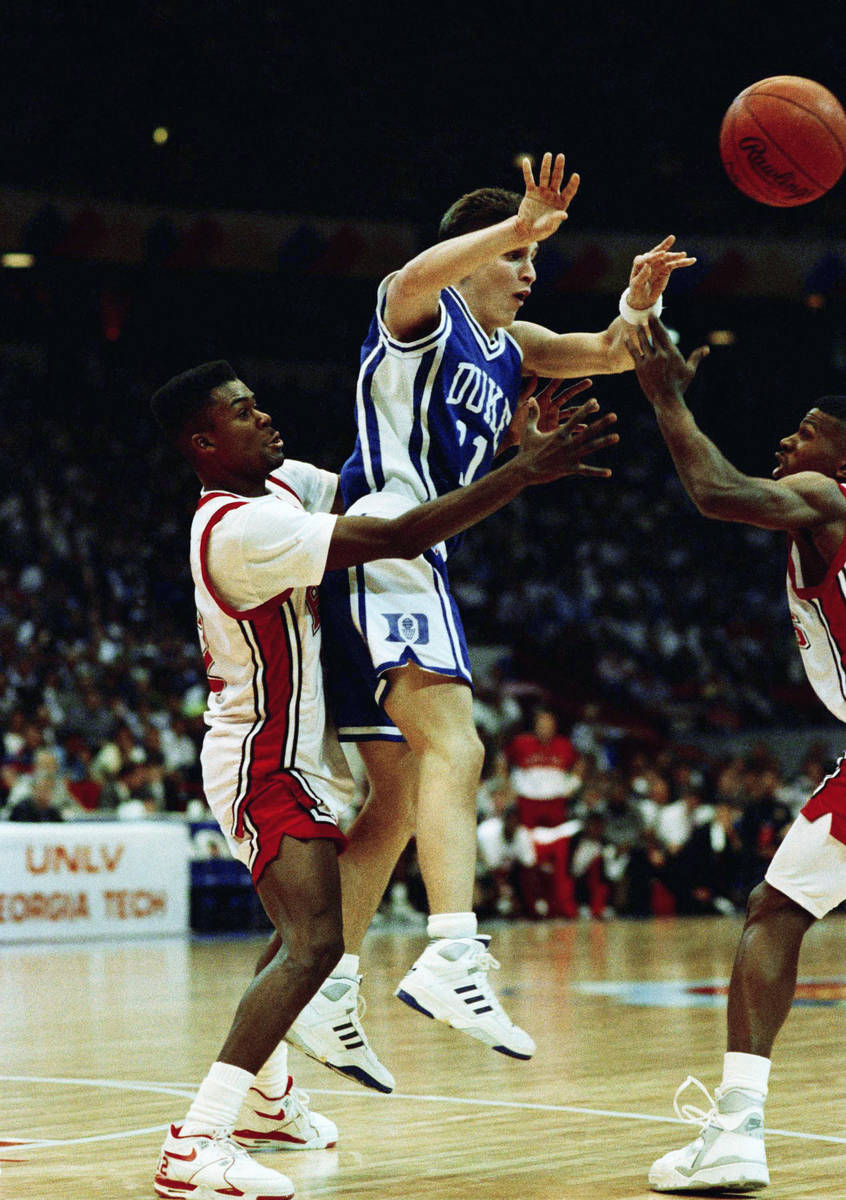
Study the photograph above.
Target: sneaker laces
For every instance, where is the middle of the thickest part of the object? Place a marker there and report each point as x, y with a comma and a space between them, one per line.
483, 963
355, 1012
226, 1138
691, 1113
299, 1107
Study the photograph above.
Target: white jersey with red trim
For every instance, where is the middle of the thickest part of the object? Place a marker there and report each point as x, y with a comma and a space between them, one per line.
256, 563
819, 622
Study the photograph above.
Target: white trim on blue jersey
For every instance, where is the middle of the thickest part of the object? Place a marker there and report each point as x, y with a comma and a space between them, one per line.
431, 412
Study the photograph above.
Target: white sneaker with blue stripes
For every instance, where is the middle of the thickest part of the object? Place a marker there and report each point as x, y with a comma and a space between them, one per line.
449, 982
329, 1030
728, 1154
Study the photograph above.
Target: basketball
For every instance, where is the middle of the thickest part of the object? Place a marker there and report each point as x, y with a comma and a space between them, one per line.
783, 141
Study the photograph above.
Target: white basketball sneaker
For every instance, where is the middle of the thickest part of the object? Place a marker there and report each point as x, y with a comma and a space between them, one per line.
207, 1166
728, 1154
328, 1029
449, 982
282, 1122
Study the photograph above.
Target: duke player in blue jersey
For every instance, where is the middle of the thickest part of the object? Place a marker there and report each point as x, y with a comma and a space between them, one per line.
437, 399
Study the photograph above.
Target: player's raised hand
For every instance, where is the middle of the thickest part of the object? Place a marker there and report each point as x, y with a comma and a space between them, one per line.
651, 272
662, 371
548, 456
545, 204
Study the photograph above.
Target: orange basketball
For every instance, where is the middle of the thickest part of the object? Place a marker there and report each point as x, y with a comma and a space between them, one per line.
783, 141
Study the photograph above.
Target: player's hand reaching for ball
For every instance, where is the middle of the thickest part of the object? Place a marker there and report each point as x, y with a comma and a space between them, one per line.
662, 371
545, 204
548, 456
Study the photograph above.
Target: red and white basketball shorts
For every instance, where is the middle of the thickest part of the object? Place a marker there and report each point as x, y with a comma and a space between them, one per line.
274, 806
810, 864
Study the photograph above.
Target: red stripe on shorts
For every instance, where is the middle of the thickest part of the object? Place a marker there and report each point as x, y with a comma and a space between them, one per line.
830, 797
279, 807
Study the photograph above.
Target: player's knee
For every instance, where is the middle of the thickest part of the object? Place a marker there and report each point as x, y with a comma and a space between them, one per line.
319, 948
767, 904
462, 747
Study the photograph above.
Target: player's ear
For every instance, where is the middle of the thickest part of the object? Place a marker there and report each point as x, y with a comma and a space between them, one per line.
202, 442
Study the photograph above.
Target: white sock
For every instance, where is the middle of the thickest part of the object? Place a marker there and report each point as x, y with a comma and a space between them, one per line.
749, 1072
347, 968
219, 1100
273, 1078
452, 925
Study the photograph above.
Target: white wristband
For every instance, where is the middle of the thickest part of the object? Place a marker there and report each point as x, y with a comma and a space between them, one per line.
639, 316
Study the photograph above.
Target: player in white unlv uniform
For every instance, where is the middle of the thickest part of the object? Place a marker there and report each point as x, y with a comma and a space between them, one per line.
807, 876
270, 771
266, 713
438, 389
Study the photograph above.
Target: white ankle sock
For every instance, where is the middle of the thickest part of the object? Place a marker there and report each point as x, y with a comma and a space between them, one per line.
218, 1102
452, 925
347, 968
749, 1072
273, 1078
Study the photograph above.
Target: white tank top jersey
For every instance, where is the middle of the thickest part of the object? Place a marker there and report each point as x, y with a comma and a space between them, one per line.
819, 622
256, 564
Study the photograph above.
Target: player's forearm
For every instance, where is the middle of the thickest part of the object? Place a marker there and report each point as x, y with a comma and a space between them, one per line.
617, 354
438, 520
447, 263
716, 487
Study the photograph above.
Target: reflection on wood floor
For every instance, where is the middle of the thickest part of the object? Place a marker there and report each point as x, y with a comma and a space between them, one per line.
103, 1044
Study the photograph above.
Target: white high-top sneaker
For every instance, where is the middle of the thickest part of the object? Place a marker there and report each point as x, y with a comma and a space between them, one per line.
328, 1029
283, 1122
729, 1152
449, 982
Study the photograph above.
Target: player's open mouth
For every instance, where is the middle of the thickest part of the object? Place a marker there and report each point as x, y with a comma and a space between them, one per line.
276, 441
521, 297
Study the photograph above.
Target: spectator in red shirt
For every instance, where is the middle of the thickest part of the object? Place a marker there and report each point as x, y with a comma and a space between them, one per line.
543, 771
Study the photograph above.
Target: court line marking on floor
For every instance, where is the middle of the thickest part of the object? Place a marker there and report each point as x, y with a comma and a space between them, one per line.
179, 1089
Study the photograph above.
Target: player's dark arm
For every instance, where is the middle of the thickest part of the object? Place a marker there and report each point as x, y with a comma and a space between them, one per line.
541, 458
716, 487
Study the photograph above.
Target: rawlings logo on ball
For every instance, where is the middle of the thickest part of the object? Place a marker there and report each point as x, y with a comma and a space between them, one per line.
755, 151
783, 140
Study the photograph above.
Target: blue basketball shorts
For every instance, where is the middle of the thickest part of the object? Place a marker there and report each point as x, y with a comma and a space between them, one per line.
382, 615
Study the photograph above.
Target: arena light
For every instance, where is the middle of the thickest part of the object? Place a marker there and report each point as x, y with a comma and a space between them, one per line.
17, 260
160, 135
722, 337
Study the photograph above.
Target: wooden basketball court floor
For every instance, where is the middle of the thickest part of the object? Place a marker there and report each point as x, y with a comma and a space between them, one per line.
103, 1044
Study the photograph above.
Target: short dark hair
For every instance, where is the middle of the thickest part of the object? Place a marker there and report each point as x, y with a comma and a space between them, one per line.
478, 210
835, 406
185, 397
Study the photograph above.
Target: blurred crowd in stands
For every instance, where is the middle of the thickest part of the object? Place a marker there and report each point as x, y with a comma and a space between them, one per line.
634, 623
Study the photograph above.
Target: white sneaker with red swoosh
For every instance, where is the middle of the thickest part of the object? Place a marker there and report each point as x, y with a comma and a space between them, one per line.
206, 1166
282, 1122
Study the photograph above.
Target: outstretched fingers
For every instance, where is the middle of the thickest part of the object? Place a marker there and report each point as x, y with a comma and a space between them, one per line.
593, 440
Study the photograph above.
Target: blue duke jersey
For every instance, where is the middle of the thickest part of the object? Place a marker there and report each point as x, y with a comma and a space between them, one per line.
430, 413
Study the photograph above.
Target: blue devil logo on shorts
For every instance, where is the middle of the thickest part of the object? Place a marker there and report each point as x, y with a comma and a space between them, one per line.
407, 627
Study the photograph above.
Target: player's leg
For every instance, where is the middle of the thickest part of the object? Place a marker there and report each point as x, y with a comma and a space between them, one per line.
329, 1029
450, 979
435, 715
763, 980
379, 834
806, 879
300, 890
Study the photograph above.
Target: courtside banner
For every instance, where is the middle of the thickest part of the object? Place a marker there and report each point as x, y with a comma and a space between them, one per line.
78, 880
